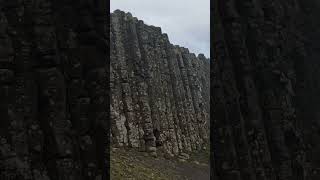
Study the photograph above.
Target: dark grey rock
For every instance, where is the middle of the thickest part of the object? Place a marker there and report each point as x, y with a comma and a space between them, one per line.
160, 92
264, 100
53, 90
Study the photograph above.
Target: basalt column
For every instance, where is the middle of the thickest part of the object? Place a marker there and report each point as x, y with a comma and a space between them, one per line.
261, 80
160, 92
54, 111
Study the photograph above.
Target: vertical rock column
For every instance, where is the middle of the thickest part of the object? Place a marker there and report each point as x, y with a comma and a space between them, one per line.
153, 94
54, 89
177, 108
123, 97
92, 53
201, 66
52, 95
137, 78
146, 103
256, 52
11, 122
168, 129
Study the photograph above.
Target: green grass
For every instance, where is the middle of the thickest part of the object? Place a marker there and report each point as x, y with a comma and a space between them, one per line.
128, 166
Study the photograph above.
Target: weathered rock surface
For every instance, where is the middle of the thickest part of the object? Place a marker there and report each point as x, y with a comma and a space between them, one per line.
160, 92
265, 90
53, 91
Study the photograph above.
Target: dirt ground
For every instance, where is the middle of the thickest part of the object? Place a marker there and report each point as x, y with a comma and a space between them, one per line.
131, 164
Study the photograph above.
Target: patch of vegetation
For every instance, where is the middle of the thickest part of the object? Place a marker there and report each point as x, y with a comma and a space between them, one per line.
130, 164
126, 165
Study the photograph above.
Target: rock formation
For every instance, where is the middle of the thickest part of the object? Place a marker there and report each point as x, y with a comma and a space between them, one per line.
53, 90
159, 91
265, 90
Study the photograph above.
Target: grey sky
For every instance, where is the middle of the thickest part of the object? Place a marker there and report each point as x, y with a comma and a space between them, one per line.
187, 22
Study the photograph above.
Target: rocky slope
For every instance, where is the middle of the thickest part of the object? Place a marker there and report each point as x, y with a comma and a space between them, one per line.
265, 90
159, 92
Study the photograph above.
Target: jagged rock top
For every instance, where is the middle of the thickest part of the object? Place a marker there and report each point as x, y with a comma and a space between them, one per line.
157, 30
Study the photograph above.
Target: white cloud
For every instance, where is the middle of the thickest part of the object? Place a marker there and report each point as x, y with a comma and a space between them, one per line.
187, 22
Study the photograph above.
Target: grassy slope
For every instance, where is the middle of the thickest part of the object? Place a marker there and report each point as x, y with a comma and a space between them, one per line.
134, 165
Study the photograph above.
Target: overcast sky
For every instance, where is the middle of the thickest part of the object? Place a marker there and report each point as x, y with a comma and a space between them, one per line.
187, 22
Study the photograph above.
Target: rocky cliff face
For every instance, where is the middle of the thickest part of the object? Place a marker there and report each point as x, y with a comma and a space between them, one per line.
160, 92
265, 90
53, 91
